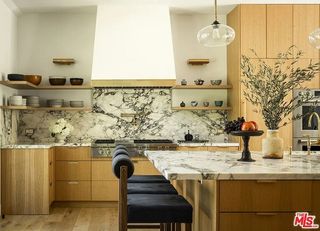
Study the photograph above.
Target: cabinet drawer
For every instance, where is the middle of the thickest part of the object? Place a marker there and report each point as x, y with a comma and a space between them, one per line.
73, 153
73, 170
194, 148
102, 170
144, 167
105, 190
73, 190
223, 149
265, 196
257, 221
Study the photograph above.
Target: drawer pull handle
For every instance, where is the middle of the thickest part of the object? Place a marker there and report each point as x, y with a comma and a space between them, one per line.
73, 162
50, 183
50, 163
73, 182
266, 181
266, 214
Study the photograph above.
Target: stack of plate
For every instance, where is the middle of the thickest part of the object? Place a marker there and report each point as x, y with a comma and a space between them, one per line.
16, 100
33, 101
76, 103
55, 102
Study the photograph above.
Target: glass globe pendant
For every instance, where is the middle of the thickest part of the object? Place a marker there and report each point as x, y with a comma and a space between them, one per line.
314, 38
216, 34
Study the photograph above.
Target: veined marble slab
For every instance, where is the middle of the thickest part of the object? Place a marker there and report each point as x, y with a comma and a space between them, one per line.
33, 146
208, 144
205, 165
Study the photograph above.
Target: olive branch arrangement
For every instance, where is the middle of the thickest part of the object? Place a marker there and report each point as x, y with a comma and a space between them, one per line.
268, 87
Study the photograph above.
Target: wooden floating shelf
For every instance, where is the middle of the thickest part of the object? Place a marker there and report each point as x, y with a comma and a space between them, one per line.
46, 108
202, 108
63, 61
202, 87
198, 61
26, 85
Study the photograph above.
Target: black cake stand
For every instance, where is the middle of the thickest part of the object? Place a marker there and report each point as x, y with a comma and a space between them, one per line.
246, 155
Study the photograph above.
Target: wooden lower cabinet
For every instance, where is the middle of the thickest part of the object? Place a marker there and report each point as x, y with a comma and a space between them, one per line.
207, 148
144, 167
73, 170
73, 190
106, 190
25, 179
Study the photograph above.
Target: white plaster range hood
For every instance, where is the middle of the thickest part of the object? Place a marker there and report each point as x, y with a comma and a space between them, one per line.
133, 42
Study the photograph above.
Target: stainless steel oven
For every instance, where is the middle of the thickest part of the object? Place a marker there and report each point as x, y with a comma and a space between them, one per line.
301, 128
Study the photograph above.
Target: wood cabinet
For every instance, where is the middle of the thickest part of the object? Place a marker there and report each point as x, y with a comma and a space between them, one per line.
73, 170
73, 190
73, 153
144, 167
207, 148
26, 177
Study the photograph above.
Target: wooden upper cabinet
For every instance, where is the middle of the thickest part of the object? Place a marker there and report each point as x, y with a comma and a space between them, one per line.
305, 20
315, 82
279, 29
253, 30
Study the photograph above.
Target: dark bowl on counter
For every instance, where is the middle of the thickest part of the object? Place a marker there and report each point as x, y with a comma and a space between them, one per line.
218, 103
34, 79
16, 77
76, 81
57, 80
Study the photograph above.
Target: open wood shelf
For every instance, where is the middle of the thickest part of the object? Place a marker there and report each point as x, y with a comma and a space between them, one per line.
198, 61
63, 61
202, 108
30, 86
202, 87
46, 108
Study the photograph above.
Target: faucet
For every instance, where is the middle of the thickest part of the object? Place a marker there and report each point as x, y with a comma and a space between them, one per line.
310, 120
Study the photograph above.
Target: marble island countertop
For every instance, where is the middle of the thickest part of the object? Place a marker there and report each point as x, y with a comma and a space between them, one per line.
207, 144
50, 145
205, 165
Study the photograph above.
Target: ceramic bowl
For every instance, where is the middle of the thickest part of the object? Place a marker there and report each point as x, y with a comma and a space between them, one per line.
206, 104
34, 79
218, 103
76, 81
194, 103
216, 82
15, 77
199, 82
57, 80
76, 103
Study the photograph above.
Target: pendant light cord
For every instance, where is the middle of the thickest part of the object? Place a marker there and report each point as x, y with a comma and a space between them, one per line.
215, 10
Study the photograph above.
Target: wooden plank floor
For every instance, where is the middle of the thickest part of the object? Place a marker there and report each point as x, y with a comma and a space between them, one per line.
75, 219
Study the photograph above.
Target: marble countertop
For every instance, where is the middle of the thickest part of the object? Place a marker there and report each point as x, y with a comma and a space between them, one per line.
205, 165
12, 146
208, 144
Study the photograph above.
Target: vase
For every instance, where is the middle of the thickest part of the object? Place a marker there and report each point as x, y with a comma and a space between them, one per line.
60, 138
272, 145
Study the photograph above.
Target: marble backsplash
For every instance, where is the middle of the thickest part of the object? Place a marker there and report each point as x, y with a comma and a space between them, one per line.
126, 113
9, 124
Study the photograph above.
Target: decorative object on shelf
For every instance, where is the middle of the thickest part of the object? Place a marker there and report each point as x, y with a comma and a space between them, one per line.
216, 34
246, 154
218, 103
61, 129
15, 77
15, 100
184, 82
76, 81
55, 102
194, 103
268, 87
33, 101
216, 82
198, 61
272, 145
182, 104
206, 104
34, 79
314, 38
76, 104
63, 61
199, 81
188, 136
57, 80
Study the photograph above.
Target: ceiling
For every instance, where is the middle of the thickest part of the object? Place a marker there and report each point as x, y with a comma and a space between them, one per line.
178, 6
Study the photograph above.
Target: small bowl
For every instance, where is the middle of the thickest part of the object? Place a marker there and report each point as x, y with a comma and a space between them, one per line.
199, 82
194, 103
76, 81
34, 79
218, 103
216, 82
76, 103
206, 104
15, 77
57, 80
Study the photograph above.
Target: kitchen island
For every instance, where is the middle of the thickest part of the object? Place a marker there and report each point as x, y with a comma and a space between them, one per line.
230, 195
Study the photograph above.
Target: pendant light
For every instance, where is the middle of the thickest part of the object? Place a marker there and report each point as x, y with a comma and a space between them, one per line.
216, 34
314, 38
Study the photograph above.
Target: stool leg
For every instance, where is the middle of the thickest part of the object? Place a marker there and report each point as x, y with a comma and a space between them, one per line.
162, 227
188, 227
178, 226
168, 227
173, 227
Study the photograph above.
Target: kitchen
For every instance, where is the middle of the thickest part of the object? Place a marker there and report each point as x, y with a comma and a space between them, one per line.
150, 87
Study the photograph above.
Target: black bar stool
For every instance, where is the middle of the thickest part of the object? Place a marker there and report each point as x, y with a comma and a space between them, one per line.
166, 209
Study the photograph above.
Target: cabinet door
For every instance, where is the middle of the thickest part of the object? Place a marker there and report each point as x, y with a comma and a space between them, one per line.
106, 190
73, 190
25, 181
144, 167
305, 20
51, 175
73, 153
254, 30
315, 82
279, 29
73, 170
102, 170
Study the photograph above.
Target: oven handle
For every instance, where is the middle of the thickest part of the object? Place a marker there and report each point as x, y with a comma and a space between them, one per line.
305, 141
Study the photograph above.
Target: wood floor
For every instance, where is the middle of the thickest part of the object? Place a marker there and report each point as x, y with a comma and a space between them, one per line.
75, 219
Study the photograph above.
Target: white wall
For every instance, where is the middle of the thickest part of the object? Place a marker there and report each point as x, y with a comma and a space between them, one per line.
133, 42
184, 32
45, 36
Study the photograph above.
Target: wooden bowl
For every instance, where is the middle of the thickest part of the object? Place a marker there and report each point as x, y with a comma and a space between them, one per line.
57, 80
34, 79
76, 81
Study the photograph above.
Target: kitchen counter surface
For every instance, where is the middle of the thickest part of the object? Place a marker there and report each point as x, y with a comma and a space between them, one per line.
207, 144
205, 165
33, 146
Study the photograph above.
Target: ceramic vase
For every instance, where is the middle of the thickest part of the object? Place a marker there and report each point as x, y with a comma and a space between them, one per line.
59, 138
272, 145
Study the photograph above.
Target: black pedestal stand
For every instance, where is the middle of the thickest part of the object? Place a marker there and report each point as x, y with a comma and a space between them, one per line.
246, 154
